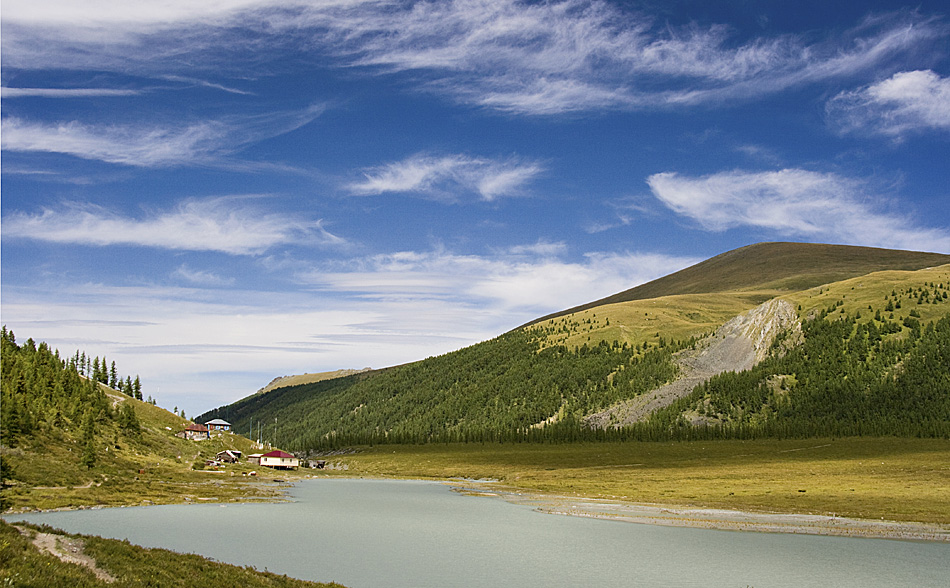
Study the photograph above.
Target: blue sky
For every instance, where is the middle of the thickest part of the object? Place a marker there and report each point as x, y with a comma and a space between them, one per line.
214, 194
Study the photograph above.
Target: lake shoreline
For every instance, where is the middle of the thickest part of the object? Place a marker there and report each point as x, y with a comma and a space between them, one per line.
670, 515
706, 518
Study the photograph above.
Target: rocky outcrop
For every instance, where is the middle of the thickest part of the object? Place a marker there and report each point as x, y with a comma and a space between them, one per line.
736, 346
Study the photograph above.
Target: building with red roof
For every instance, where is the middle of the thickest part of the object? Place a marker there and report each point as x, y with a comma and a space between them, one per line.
278, 459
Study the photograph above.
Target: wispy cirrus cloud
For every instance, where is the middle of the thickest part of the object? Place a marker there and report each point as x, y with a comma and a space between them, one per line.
201, 277
139, 145
907, 102
549, 58
222, 224
510, 55
448, 176
149, 144
7, 92
794, 202
529, 278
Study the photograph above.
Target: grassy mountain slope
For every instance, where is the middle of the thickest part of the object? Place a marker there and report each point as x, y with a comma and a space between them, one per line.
538, 382
780, 267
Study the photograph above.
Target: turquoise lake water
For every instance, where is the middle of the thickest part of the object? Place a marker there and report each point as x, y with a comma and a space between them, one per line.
383, 533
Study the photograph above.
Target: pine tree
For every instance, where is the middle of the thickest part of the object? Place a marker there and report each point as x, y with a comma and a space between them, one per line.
89, 440
127, 419
103, 372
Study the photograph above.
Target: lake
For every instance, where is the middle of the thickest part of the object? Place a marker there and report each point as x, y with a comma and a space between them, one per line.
386, 533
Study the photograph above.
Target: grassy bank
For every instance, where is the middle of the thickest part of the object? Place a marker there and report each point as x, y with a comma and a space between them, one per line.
143, 478
119, 564
870, 478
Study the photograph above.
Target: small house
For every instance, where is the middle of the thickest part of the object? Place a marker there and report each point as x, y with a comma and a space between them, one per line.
278, 459
317, 463
228, 456
218, 425
194, 432
254, 458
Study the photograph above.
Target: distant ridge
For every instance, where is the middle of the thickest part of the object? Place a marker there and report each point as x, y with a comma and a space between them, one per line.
770, 266
308, 378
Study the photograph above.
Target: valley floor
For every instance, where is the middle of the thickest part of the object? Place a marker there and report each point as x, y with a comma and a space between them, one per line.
874, 487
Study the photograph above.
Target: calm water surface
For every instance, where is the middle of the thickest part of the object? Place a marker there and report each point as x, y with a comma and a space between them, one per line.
381, 533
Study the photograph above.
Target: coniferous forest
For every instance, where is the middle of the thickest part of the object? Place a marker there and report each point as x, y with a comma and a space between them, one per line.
43, 391
848, 376
506, 389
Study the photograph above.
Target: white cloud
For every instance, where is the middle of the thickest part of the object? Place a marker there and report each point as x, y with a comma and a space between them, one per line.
6, 92
907, 102
200, 277
150, 145
542, 248
138, 146
796, 203
549, 58
530, 278
217, 224
520, 57
448, 175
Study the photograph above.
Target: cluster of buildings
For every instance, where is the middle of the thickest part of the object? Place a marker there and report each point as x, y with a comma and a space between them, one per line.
197, 431
276, 459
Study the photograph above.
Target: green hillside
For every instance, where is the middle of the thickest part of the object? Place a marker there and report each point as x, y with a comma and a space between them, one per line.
119, 564
537, 383
70, 440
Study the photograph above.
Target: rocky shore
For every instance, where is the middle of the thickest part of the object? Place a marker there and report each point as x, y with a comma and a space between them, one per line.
708, 518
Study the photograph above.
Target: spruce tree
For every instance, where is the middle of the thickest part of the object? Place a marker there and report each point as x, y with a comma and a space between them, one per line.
89, 440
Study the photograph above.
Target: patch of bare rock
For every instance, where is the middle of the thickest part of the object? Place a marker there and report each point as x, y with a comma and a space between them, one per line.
736, 346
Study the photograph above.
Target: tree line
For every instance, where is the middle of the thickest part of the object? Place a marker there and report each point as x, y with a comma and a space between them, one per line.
43, 392
851, 375
848, 378
516, 386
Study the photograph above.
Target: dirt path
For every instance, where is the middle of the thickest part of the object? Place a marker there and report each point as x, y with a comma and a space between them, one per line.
67, 549
85, 486
736, 346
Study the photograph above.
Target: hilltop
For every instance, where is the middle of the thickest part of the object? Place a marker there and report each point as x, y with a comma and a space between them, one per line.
308, 378
773, 267
551, 378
